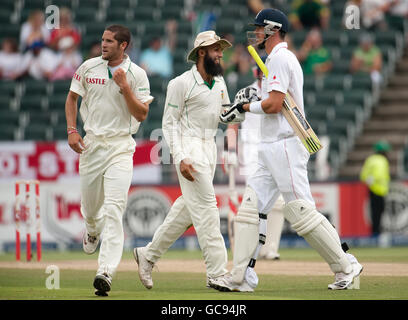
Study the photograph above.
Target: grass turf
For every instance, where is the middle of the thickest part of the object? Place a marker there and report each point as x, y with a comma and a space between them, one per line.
77, 285
370, 254
21, 284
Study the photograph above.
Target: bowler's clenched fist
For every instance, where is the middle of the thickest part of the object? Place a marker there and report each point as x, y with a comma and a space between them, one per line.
120, 78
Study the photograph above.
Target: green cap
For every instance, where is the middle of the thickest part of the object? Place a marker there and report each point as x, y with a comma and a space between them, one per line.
381, 146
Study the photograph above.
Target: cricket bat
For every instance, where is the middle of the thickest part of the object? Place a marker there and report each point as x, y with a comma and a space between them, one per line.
292, 114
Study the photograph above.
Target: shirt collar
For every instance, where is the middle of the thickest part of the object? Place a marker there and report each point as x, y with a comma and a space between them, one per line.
125, 64
197, 75
280, 45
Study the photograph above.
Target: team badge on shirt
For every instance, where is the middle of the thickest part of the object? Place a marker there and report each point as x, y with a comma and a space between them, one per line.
274, 80
222, 94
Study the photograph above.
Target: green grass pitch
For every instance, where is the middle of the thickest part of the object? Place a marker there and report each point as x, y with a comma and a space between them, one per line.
29, 283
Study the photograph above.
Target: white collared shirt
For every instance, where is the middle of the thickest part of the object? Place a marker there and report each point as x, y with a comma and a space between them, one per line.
103, 108
285, 75
192, 109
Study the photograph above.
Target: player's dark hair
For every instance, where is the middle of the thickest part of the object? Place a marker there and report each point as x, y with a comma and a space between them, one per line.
121, 33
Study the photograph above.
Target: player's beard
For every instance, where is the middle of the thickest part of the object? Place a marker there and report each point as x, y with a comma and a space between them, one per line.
212, 68
112, 54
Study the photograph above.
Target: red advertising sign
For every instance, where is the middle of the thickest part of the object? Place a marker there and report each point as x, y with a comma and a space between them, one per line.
55, 161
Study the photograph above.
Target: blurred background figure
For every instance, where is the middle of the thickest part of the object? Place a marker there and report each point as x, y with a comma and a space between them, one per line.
373, 14
375, 173
95, 50
33, 32
68, 60
307, 14
255, 5
367, 58
67, 30
158, 58
10, 59
237, 63
314, 57
397, 15
39, 62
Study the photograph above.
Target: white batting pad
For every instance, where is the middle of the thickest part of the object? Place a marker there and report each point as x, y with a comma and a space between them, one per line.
318, 232
246, 230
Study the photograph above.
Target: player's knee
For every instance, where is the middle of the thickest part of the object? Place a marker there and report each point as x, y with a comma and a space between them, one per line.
248, 210
302, 216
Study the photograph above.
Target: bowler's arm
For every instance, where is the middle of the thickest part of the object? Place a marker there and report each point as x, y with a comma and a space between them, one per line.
136, 108
71, 112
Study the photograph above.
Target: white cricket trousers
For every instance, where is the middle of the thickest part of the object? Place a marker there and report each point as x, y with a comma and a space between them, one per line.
106, 168
282, 169
196, 206
276, 219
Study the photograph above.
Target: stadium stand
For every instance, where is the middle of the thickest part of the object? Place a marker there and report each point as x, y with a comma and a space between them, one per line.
341, 105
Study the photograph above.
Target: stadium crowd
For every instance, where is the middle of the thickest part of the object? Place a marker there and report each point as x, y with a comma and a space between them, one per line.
44, 54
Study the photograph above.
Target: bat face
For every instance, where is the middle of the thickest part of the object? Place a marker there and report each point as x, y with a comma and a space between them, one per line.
300, 125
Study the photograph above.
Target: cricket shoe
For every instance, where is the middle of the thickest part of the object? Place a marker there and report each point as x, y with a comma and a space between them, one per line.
343, 281
102, 284
207, 283
145, 268
89, 243
224, 283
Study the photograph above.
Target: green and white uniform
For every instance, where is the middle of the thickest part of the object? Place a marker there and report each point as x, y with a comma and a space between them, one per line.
106, 165
190, 123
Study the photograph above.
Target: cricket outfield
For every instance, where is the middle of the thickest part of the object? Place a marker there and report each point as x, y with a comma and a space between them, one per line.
180, 275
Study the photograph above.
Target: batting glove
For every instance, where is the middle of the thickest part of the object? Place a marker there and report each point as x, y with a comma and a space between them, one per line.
234, 114
246, 95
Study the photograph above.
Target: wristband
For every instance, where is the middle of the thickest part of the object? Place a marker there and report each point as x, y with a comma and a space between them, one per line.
256, 107
72, 131
71, 128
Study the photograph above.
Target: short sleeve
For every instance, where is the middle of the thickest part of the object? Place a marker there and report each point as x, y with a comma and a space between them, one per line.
77, 83
142, 87
279, 75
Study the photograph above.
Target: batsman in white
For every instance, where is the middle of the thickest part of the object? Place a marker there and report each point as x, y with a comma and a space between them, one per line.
282, 168
115, 99
190, 120
249, 135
